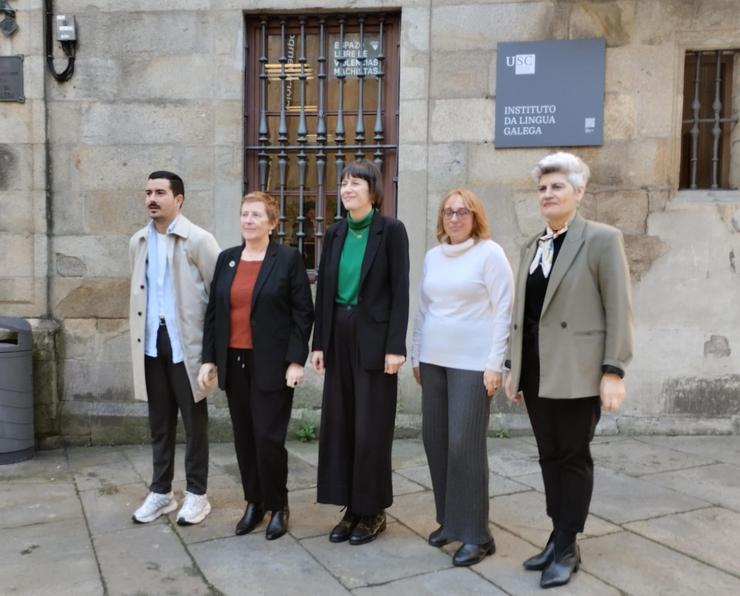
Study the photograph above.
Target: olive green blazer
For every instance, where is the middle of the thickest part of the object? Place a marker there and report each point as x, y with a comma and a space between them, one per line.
586, 318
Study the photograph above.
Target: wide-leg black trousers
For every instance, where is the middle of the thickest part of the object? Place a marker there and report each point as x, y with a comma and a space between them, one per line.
563, 429
357, 421
260, 423
168, 389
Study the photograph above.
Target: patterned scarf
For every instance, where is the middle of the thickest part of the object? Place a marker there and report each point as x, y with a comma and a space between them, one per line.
545, 251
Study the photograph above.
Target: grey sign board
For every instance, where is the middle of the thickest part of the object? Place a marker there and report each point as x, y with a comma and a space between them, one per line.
11, 78
353, 57
550, 93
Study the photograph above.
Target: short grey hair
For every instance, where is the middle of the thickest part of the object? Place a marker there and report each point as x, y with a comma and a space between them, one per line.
574, 168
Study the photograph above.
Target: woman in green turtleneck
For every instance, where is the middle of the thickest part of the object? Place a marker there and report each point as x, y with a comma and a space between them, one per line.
362, 307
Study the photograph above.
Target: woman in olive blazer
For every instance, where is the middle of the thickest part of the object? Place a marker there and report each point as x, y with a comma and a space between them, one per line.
570, 343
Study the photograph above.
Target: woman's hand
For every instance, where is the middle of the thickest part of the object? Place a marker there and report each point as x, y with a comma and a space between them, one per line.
510, 395
492, 381
207, 376
417, 374
611, 391
393, 362
317, 361
294, 374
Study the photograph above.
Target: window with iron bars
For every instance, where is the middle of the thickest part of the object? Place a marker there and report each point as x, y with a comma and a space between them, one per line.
321, 91
707, 120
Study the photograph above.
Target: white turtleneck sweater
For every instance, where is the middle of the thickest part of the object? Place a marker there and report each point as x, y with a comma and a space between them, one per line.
464, 311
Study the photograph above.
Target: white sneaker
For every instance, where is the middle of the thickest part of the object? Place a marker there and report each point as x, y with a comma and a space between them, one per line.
154, 505
194, 509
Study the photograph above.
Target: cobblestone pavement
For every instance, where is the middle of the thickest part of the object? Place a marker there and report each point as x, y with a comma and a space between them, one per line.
665, 519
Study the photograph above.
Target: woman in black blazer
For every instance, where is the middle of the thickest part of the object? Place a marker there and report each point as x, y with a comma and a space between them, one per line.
362, 308
255, 341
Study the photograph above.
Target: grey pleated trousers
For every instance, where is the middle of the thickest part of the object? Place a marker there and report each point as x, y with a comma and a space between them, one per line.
455, 411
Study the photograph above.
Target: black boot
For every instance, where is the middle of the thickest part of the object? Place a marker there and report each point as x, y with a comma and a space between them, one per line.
343, 530
562, 567
278, 524
253, 515
368, 528
435, 540
543, 559
470, 554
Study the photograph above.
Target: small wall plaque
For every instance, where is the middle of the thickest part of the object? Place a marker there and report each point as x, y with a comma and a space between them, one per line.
11, 78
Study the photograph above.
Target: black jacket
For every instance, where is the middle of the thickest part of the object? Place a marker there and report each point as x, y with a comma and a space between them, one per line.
383, 301
282, 314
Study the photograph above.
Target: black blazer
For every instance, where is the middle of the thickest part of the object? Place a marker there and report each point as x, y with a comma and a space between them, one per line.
383, 301
282, 314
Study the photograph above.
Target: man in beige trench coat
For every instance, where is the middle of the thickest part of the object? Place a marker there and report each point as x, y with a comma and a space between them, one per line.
172, 262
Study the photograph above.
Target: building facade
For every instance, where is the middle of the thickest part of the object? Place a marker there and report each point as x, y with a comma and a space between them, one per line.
236, 94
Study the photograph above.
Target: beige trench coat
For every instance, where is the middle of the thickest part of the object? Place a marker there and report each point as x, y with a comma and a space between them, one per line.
586, 318
191, 257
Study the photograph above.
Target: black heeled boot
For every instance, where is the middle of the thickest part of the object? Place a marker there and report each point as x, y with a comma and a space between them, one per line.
278, 524
541, 560
253, 515
565, 563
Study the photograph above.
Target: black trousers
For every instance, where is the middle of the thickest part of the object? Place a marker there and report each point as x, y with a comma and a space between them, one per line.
358, 416
563, 429
260, 422
168, 389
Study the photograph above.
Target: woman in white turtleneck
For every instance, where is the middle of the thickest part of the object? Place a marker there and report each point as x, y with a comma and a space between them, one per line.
459, 344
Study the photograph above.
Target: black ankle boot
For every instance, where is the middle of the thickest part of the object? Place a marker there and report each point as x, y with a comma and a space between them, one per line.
564, 564
541, 560
278, 524
253, 515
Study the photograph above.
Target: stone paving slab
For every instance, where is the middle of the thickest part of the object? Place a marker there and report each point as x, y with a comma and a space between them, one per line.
148, 559
497, 484
109, 509
46, 466
252, 565
524, 515
308, 452
711, 535
81, 457
504, 569
49, 558
646, 497
619, 455
512, 457
718, 483
105, 476
640, 567
397, 553
25, 503
408, 453
416, 511
724, 449
448, 581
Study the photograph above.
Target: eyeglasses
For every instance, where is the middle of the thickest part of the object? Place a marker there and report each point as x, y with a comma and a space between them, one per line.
461, 213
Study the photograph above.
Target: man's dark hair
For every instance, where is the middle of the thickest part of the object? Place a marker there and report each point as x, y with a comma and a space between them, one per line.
370, 173
176, 183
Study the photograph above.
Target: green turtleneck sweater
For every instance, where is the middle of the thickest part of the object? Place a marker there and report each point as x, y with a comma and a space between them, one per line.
350, 263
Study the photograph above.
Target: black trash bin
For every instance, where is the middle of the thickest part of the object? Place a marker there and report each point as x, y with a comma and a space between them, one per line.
16, 390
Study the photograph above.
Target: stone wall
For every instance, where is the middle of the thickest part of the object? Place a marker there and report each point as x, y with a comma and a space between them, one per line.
162, 88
